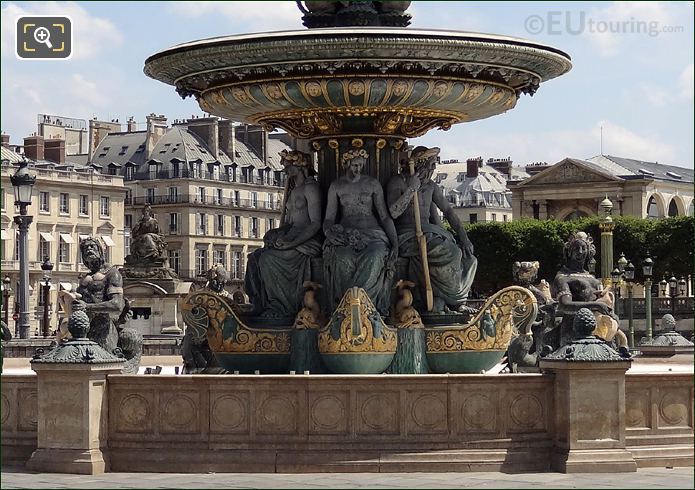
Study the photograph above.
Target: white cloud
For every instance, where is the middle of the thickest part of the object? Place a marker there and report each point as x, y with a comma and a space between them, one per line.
549, 146
686, 81
609, 28
251, 16
91, 34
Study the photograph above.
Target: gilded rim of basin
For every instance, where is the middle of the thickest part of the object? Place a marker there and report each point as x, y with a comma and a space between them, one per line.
272, 77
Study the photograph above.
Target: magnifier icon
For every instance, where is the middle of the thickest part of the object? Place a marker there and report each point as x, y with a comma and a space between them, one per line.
43, 36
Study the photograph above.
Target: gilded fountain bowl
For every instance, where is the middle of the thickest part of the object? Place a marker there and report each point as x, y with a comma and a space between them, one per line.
401, 82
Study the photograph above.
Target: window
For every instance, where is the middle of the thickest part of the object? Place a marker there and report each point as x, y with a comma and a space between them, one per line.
154, 168
128, 196
254, 227
201, 194
64, 203
219, 229
16, 246
237, 198
44, 202
129, 172
63, 252
473, 218
218, 196
236, 265
150, 195
269, 201
173, 194
173, 222
237, 225
128, 220
2, 200
44, 248
126, 243
254, 199
201, 261
104, 207
494, 217
652, 208
271, 223
216, 172
218, 257
175, 260
201, 227
504, 218
176, 169
232, 169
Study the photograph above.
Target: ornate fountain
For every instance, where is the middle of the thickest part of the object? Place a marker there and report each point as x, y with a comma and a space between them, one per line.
355, 86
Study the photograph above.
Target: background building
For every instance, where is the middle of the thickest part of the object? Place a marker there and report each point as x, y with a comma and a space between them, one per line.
70, 201
478, 191
573, 188
215, 188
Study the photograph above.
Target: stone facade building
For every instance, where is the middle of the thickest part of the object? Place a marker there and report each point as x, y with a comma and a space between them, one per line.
215, 188
478, 191
70, 201
573, 188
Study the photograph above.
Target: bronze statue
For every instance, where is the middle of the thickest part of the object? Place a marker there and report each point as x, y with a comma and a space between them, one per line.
574, 287
440, 259
100, 294
276, 273
147, 243
361, 242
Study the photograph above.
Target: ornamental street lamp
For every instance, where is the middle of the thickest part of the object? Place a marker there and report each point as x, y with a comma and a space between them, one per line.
23, 183
682, 287
647, 268
6, 299
622, 262
673, 284
630, 277
46, 267
615, 280
663, 286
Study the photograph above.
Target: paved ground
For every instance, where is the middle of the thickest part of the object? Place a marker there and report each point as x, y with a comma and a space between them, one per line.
660, 478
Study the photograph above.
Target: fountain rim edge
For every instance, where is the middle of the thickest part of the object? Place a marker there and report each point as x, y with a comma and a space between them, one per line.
343, 31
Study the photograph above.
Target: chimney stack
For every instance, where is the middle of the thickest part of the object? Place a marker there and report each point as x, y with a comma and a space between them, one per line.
34, 147
227, 133
132, 125
472, 166
207, 129
156, 127
5, 140
55, 151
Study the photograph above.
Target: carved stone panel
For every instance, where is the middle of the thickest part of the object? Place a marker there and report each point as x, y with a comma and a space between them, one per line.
28, 409
134, 411
673, 406
378, 413
637, 408
277, 412
427, 412
6, 410
179, 412
229, 412
329, 412
476, 412
527, 411
59, 398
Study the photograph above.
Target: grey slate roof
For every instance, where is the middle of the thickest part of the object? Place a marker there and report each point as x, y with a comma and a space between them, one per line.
11, 156
628, 168
489, 183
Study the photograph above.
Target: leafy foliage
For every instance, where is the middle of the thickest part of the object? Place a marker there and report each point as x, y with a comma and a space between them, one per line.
497, 245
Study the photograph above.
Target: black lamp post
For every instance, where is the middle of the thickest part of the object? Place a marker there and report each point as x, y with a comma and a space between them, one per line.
673, 284
23, 183
630, 278
647, 268
615, 280
663, 286
682, 287
46, 267
6, 299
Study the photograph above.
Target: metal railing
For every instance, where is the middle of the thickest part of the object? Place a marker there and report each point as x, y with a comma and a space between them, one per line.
217, 177
660, 306
227, 202
198, 276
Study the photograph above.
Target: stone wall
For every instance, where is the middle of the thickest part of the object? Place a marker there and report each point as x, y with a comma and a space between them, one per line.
330, 423
18, 413
154, 346
659, 418
351, 423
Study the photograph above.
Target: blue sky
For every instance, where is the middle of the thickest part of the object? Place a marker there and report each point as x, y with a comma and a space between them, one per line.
636, 82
